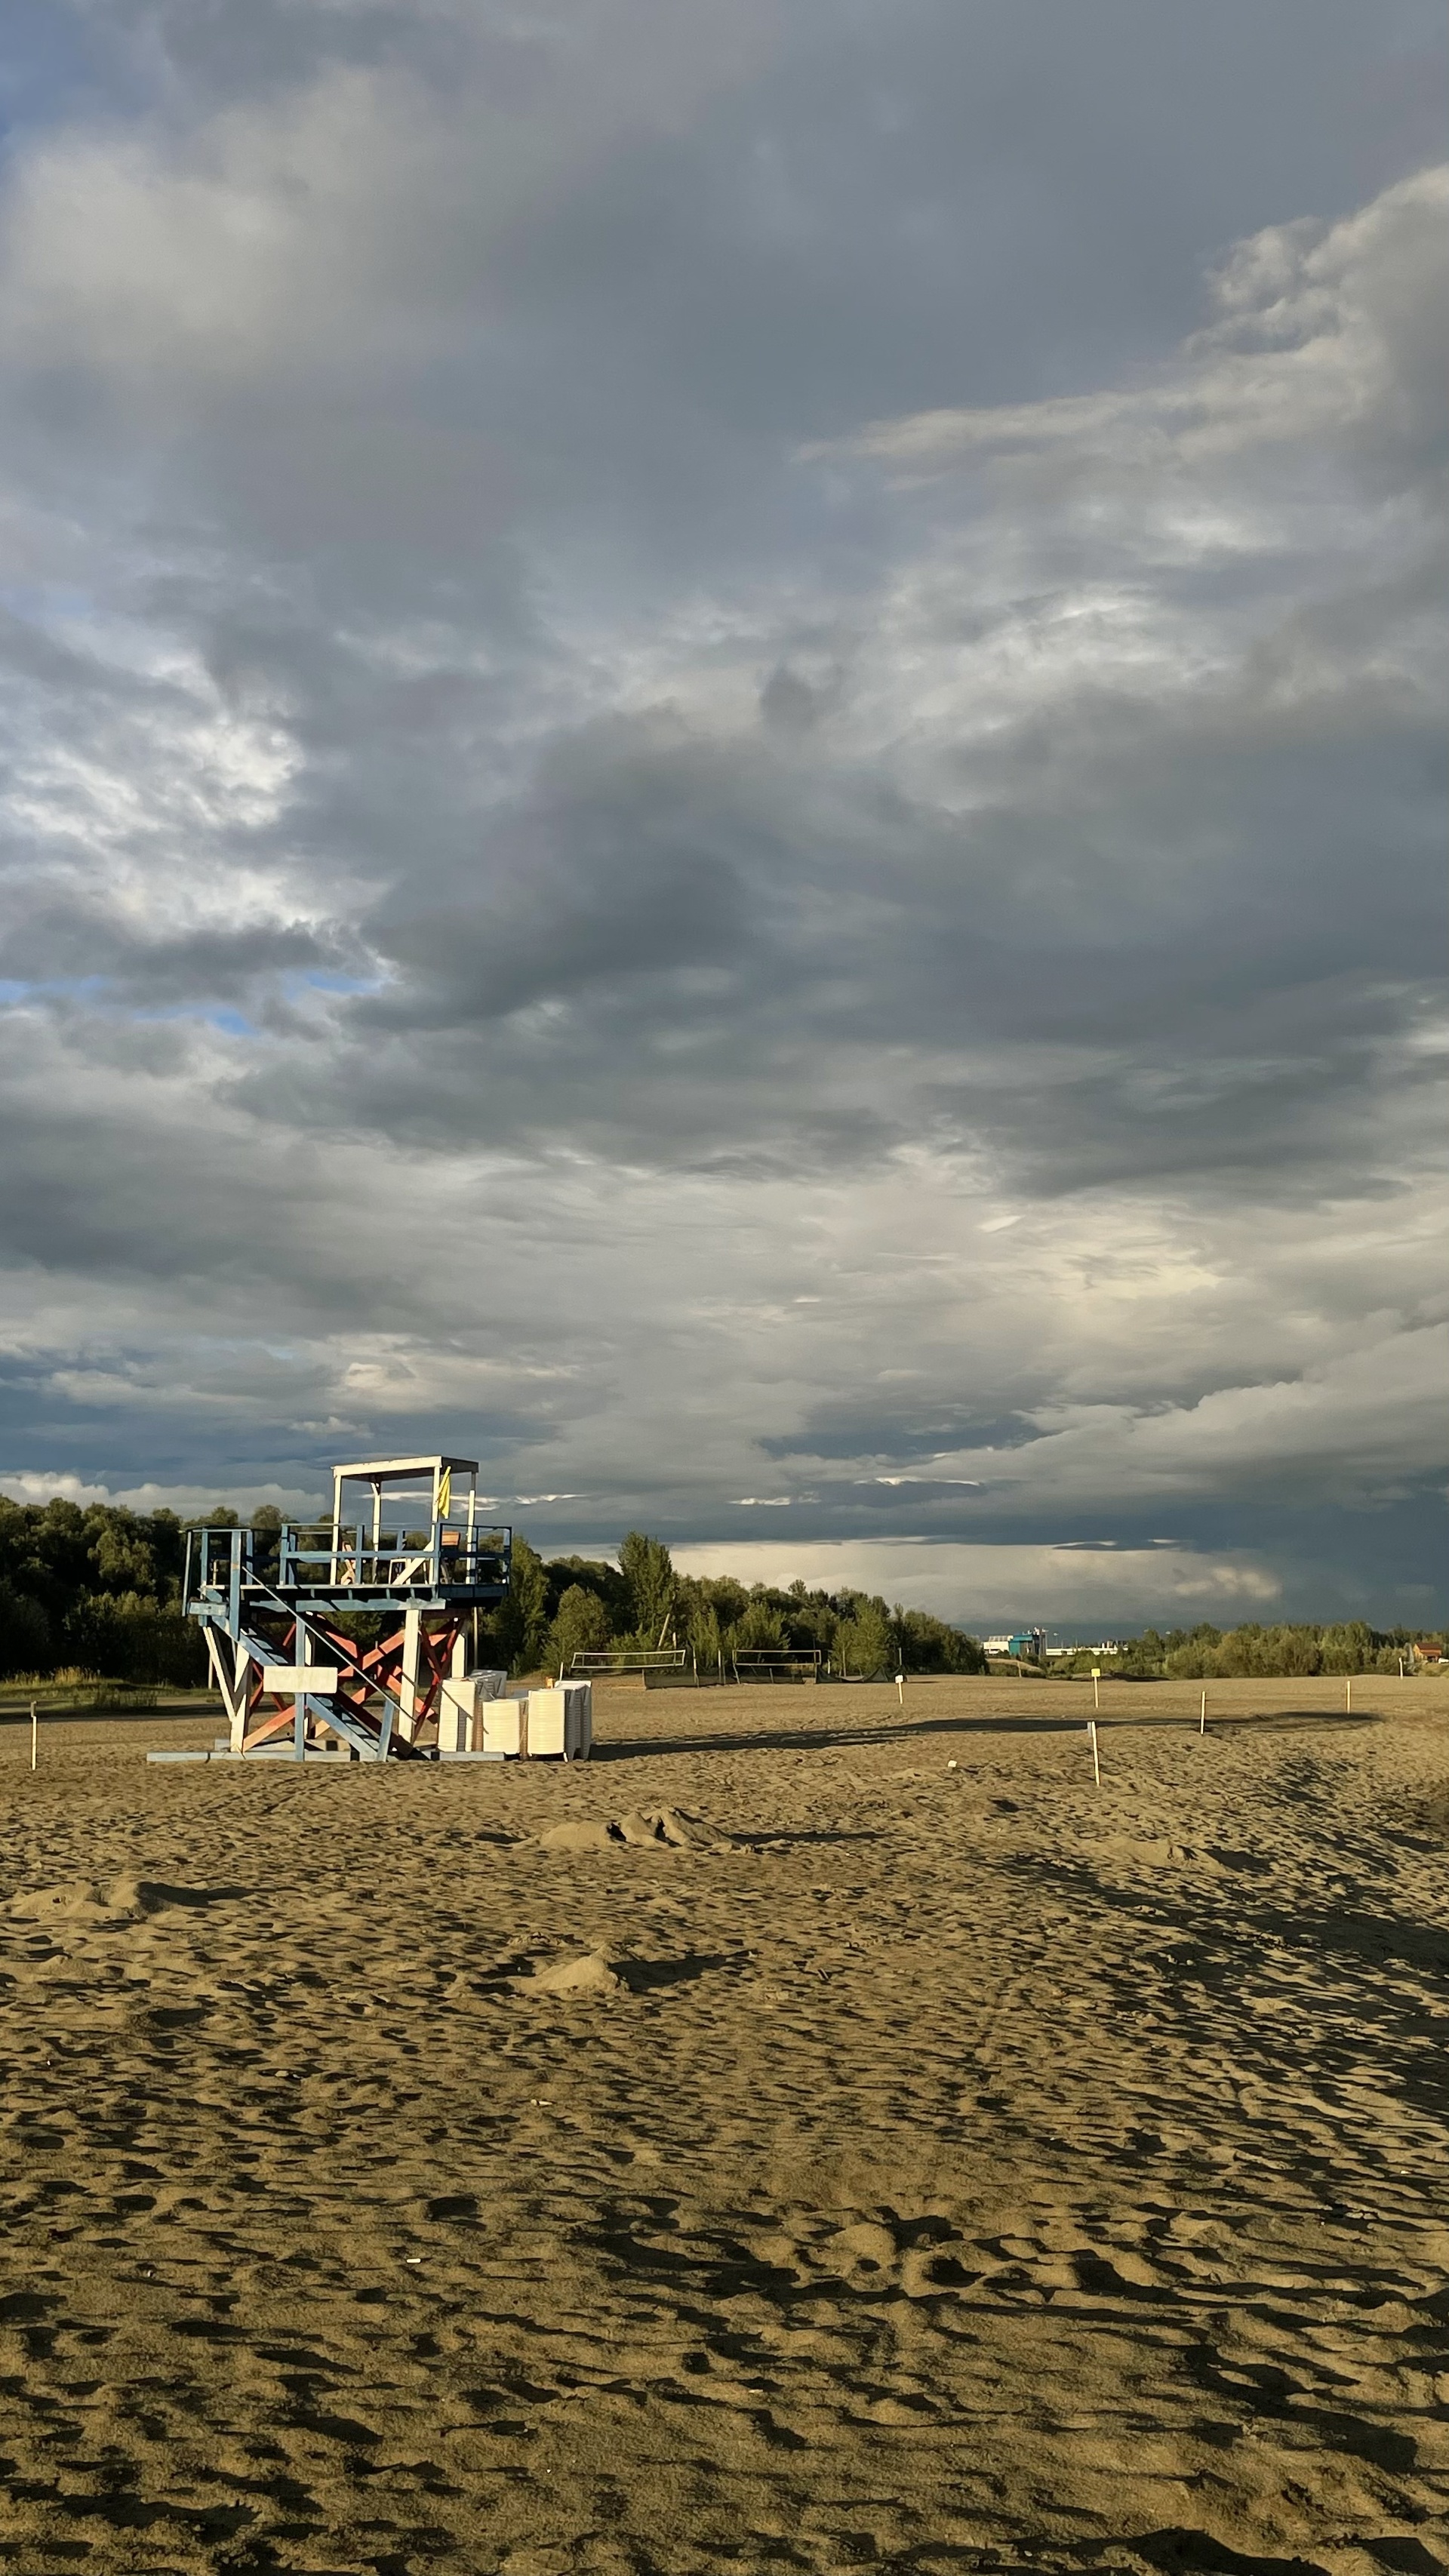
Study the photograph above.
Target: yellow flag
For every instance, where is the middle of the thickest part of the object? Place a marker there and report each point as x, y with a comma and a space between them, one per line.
445, 1493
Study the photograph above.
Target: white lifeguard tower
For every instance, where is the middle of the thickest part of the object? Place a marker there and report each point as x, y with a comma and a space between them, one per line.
405, 1548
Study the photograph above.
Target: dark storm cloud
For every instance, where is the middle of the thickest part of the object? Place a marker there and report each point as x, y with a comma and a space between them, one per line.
725, 756
53, 945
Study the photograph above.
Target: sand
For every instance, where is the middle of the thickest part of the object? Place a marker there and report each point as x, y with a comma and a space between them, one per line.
835, 2159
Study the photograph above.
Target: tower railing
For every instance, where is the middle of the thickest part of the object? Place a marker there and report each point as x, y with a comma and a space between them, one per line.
334, 1562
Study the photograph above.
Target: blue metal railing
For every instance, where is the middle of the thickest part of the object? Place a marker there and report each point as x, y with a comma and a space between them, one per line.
355, 1559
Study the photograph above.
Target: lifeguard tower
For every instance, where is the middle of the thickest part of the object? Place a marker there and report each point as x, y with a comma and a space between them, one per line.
406, 1562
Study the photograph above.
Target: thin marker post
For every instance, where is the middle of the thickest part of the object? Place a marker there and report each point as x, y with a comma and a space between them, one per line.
1092, 1738
34, 1735
1202, 1716
1096, 1677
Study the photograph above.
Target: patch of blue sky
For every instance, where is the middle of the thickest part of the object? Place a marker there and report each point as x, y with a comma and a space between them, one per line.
222, 1015
36, 602
328, 979
214, 1015
56, 61
47, 59
85, 988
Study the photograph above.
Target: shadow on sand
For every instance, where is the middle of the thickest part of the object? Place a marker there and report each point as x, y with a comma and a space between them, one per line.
898, 1730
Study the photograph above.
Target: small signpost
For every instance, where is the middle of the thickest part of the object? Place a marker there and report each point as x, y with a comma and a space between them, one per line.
1092, 1739
1096, 1677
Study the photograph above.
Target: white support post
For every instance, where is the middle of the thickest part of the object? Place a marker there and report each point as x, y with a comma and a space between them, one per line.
407, 1689
237, 1697
306, 1652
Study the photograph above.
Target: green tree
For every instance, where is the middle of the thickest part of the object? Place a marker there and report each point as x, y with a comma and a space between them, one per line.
580, 1626
760, 1632
594, 1575
648, 1571
927, 1645
699, 1622
266, 1541
1347, 1648
120, 1555
864, 1645
25, 1645
518, 1629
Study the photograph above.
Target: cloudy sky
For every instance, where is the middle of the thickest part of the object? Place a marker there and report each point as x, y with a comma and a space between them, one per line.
723, 777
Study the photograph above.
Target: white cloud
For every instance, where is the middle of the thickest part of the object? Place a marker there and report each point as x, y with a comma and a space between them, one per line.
191, 1502
744, 989
992, 1585
1323, 336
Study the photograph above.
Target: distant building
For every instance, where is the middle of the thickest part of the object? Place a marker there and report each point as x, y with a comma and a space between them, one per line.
1027, 1644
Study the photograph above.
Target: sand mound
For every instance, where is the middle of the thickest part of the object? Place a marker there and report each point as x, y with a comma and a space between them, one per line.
121, 1900
672, 1825
651, 1828
864, 2247
590, 1975
589, 1836
1140, 1854
75, 1900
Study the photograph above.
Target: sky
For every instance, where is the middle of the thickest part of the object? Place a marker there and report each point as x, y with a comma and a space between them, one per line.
723, 779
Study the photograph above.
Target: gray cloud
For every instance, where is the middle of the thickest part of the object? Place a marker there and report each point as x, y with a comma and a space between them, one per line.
724, 761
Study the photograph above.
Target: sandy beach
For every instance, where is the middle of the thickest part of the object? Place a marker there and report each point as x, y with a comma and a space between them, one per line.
861, 2141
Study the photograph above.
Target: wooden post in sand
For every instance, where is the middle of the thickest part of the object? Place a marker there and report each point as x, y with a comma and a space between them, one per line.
901, 1689
1348, 1692
1096, 1765
34, 1736
1202, 1716
1096, 1677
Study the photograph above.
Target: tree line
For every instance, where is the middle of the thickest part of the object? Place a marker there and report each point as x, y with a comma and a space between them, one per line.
571, 1605
1251, 1652
96, 1590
